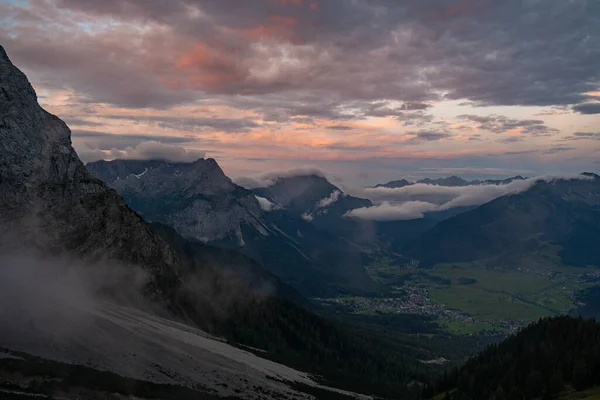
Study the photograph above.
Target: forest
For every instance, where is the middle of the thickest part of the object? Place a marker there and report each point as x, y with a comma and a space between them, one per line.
545, 359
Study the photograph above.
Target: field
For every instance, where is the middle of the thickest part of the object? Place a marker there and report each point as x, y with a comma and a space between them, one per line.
497, 298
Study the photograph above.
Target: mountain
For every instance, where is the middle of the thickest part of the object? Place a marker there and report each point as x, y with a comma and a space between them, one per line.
561, 213
54, 210
314, 199
197, 199
449, 181
395, 184
552, 357
203, 205
498, 181
452, 181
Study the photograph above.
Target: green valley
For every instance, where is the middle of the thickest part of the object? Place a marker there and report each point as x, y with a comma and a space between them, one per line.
472, 297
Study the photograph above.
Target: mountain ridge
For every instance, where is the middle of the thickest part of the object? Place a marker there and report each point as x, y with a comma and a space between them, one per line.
561, 212
451, 181
196, 198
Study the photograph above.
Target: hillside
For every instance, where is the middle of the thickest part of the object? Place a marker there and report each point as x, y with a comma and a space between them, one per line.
559, 212
545, 359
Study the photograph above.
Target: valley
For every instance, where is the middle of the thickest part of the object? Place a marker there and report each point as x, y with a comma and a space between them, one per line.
472, 297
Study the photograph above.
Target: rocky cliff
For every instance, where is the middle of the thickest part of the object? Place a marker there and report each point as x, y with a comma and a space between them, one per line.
197, 199
50, 201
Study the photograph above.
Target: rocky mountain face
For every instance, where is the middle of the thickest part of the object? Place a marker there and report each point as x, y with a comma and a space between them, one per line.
451, 181
197, 199
50, 201
562, 212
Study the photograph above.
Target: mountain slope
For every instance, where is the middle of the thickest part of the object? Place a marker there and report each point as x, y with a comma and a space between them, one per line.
202, 204
539, 362
197, 198
562, 212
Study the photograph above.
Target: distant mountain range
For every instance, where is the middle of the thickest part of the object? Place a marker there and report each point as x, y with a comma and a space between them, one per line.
451, 181
297, 227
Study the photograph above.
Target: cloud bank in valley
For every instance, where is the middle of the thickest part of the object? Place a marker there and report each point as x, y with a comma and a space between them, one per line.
412, 202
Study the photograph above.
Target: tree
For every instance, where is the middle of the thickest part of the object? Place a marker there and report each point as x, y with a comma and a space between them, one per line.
499, 394
581, 375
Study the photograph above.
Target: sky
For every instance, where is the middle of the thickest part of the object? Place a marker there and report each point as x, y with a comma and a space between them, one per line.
367, 90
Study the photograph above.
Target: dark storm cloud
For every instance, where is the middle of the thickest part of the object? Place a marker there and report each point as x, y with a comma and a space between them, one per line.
511, 52
587, 108
502, 124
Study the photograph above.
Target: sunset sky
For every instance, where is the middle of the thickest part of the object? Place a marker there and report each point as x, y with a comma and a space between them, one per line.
368, 90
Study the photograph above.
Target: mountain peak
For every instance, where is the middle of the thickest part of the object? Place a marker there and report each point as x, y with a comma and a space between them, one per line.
3, 53
205, 204
591, 175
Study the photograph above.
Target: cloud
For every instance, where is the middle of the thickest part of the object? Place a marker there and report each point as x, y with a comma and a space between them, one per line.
502, 124
411, 202
270, 178
273, 71
265, 204
107, 141
584, 136
191, 123
558, 149
72, 121
587, 108
150, 150
429, 135
340, 127
410, 52
327, 201
390, 212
